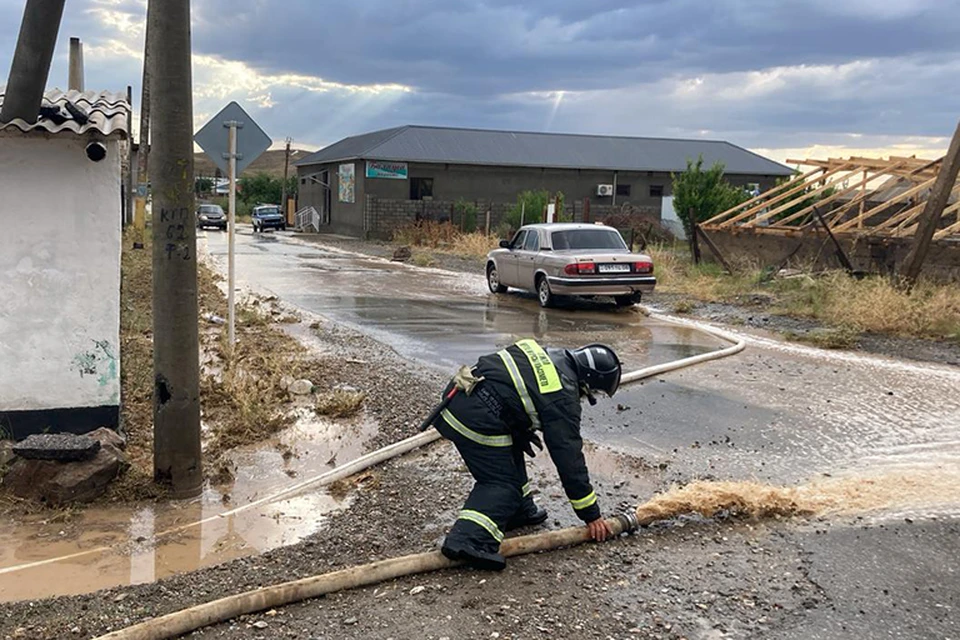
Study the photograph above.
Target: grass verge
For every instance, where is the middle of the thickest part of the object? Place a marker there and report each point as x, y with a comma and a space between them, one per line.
849, 306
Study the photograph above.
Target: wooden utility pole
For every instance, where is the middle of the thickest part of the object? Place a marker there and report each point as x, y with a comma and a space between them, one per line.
286, 169
930, 218
176, 351
144, 152
31, 60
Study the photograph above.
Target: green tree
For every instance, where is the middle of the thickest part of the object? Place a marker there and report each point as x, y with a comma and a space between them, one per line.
466, 215
707, 193
203, 186
263, 188
528, 209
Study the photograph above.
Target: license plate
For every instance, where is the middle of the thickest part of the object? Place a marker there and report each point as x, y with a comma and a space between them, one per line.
614, 268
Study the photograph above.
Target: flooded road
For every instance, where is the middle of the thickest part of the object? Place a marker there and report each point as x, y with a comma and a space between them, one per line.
781, 414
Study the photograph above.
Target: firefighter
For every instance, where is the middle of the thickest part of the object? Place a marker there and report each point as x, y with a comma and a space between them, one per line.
509, 398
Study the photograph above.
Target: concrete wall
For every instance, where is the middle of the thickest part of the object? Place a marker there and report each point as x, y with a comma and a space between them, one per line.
60, 267
884, 256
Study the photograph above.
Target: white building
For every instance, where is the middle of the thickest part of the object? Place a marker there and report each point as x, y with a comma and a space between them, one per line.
60, 212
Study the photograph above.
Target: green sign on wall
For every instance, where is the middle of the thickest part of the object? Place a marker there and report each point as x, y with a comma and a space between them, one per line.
387, 170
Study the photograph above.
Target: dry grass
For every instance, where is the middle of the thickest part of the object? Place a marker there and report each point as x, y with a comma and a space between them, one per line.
340, 403
852, 306
876, 304
474, 245
444, 237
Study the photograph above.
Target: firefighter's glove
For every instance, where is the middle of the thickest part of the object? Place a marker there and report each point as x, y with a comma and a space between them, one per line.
529, 439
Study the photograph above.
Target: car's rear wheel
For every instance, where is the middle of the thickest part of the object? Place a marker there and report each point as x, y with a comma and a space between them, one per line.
627, 301
493, 279
544, 295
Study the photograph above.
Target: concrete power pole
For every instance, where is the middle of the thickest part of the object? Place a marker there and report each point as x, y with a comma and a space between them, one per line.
143, 152
932, 212
32, 59
75, 81
286, 170
176, 357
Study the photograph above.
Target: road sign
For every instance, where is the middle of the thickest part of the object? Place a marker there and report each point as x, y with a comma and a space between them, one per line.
214, 138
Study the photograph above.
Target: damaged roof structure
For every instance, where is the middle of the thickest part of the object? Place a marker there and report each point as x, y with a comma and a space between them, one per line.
858, 197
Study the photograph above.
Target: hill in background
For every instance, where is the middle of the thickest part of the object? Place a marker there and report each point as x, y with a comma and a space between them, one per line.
271, 163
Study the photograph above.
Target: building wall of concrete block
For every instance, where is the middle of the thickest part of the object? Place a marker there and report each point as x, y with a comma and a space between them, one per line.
481, 185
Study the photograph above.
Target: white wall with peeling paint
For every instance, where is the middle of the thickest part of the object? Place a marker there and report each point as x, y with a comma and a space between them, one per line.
59, 274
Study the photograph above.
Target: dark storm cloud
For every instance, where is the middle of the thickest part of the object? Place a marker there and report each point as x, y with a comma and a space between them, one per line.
474, 47
764, 73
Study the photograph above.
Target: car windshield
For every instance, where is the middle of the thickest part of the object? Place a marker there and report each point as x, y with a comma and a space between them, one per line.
587, 239
268, 211
211, 208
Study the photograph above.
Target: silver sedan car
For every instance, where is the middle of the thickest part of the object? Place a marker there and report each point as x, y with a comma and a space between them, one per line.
570, 260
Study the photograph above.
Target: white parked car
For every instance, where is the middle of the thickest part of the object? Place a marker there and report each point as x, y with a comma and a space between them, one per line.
570, 260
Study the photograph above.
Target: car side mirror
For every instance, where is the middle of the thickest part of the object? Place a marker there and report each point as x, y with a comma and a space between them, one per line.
504, 244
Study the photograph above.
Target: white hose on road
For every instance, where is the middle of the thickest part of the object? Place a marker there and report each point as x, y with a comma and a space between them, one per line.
415, 442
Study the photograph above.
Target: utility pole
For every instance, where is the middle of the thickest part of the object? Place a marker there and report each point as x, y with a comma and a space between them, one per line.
176, 353
143, 154
932, 212
128, 176
286, 169
75, 78
32, 59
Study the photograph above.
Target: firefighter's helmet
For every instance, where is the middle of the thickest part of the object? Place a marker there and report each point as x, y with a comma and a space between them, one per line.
598, 368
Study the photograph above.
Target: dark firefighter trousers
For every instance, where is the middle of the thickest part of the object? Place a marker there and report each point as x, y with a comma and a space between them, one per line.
501, 492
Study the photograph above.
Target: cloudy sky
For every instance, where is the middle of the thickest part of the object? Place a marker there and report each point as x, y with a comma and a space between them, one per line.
784, 77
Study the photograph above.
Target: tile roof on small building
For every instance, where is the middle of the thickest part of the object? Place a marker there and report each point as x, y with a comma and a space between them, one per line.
440, 145
100, 113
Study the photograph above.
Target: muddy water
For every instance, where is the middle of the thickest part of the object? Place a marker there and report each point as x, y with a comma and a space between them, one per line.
440, 318
110, 546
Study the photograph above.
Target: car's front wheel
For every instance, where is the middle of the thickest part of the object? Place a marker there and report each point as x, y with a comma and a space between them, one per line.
544, 295
493, 279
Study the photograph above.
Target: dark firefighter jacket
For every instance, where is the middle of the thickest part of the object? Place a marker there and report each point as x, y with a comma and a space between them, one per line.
539, 389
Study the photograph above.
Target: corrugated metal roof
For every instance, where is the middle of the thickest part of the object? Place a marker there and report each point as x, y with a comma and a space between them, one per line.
106, 112
514, 148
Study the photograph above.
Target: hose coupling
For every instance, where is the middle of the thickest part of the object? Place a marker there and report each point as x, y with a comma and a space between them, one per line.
629, 521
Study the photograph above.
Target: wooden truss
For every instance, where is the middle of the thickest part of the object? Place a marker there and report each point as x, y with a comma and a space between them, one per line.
864, 197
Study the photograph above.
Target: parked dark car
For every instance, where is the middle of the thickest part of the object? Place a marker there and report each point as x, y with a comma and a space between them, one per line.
570, 260
211, 215
268, 216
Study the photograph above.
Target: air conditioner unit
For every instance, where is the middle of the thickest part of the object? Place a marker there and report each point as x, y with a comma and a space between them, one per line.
605, 190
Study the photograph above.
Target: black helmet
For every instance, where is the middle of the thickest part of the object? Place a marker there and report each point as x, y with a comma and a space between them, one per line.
598, 368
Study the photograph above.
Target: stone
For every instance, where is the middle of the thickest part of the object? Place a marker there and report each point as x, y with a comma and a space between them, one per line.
402, 254
60, 483
260, 624
301, 388
62, 447
107, 436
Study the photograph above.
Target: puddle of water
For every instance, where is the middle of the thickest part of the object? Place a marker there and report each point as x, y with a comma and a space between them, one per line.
111, 546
